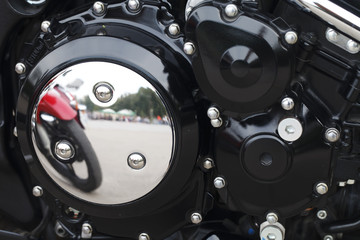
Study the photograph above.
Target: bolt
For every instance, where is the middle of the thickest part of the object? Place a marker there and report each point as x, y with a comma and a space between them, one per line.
332, 135
321, 188
213, 113
20, 68
352, 46
64, 150
321, 214
332, 35
208, 163
134, 5
290, 129
103, 92
328, 237
272, 218
287, 103
189, 48
45, 25
174, 29
271, 236
98, 8
37, 191
136, 161
86, 231
219, 182
231, 10
15, 132
350, 182
291, 37
59, 230
216, 122
144, 236
196, 218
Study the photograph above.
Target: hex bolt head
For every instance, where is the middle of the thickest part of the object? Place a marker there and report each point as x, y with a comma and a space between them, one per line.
332, 35
291, 37
20, 68
45, 25
196, 218
353, 46
216, 123
37, 191
133, 5
219, 182
103, 92
174, 29
64, 150
321, 214
287, 103
208, 163
98, 8
136, 161
144, 236
321, 188
272, 218
231, 10
189, 48
213, 113
332, 135
328, 237
86, 231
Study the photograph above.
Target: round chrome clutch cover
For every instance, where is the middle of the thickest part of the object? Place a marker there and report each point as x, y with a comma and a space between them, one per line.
113, 127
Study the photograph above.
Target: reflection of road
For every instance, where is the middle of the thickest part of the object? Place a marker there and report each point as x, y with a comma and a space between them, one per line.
113, 142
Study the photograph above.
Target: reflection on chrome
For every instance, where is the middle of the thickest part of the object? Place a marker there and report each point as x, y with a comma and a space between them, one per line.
98, 131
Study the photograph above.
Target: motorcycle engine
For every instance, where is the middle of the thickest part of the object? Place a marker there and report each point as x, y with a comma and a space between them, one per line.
216, 120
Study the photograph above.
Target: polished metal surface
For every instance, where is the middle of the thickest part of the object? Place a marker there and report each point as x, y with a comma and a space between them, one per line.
36, 2
219, 182
134, 5
213, 113
321, 214
86, 231
98, 8
45, 25
104, 135
291, 37
272, 218
190, 5
144, 236
103, 92
290, 129
287, 103
59, 230
37, 191
64, 150
328, 237
208, 163
335, 15
332, 135
196, 218
342, 41
20, 68
216, 123
231, 10
321, 188
174, 29
189, 48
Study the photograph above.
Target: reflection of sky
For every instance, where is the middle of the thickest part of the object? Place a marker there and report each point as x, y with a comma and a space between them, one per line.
81, 79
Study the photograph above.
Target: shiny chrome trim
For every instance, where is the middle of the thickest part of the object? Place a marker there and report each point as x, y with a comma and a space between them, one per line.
335, 15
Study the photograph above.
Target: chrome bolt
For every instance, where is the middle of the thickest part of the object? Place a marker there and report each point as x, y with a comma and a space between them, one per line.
196, 218
189, 48
290, 129
64, 150
37, 191
271, 236
332, 35
134, 5
219, 182
103, 92
272, 218
216, 122
144, 236
174, 29
208, 163
321, 214
86, 231
98, 8
20, 68
332, 135
45, 25
321, 188
213, 113
15, 132
352, 46
291, 37
328, 237
136, 161
287, 103
231, 10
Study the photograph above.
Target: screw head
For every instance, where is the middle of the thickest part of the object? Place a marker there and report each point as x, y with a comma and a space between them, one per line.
136, 161
353, 46
216, 123
37, 191
133, 5
219, 182
332, 35
64, 150
322, 214
144, 236
291, 37
98, 8
208, 163
86, 231
332, 135
45, 25
196, 218
290, 129
287, 103
20, 68
174, 29
328, 237
189, 48
213, 113
272, 218
103, 92
231, 10
321, 188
